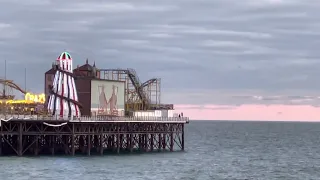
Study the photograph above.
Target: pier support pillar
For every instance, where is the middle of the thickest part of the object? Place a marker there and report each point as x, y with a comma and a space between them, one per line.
52, 144
128, 142
131, 143
72, 142
159, 142
139, 142
151, 143
73, 150
1, 145
1, 138
146, 139
113, 137
171, 138
164, 141
36, 146
101, 144
121, 141
89, 143
20, 145
182, 138
118, 143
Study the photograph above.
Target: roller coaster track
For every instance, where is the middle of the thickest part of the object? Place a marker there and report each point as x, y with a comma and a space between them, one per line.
150, 81
136, 83
11, 84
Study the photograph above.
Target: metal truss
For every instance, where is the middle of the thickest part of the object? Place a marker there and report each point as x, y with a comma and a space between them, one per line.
36, 137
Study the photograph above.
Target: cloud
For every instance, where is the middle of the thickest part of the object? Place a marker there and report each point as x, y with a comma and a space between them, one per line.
188, 29
231, 99
95, 7
206, 52
7, 31
204, 107
271, 2
161, 35
215, 44
283, 99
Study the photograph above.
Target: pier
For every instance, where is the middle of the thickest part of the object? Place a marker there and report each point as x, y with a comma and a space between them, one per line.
88, 111
39, 135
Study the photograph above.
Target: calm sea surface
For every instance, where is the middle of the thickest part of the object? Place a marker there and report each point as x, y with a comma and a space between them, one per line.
214, 150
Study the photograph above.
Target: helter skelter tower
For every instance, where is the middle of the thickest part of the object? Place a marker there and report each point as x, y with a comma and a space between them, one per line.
63, 100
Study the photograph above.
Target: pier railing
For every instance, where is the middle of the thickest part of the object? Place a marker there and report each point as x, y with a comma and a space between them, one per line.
142, 118
94, 118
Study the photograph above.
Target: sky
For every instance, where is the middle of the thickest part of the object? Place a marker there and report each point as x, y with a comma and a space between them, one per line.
217, 59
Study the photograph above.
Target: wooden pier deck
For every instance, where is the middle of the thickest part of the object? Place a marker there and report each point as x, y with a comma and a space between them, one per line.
38, 135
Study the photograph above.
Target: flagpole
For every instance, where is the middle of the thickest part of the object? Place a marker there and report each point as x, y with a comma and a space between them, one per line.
25, 79
5, 78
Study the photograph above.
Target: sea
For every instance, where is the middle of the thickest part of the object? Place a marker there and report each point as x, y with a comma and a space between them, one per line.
214, 150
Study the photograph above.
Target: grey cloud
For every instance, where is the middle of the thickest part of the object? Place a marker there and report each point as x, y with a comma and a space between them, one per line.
7, 31
234, 98
209, 107
282, 99
221, 108
200, 48
109, 7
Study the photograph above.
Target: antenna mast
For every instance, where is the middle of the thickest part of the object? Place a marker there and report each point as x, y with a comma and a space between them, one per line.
25, 79
5, 80
5, 69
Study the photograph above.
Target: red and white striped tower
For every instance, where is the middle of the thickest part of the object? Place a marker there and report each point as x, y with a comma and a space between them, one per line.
62, 100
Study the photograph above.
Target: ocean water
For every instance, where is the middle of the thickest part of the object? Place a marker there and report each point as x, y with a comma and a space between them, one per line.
214, 150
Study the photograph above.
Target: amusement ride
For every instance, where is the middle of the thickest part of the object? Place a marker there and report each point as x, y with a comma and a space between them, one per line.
31, 104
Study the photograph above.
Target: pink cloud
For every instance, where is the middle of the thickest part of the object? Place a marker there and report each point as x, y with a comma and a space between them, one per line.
251, 112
